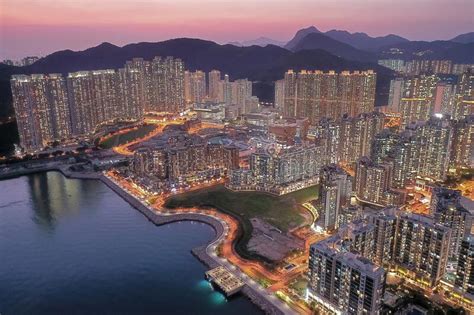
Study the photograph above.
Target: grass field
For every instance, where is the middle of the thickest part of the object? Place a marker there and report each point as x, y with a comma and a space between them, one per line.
120, 139
281, 211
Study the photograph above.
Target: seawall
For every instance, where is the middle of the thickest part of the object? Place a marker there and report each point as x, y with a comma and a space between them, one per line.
200, 252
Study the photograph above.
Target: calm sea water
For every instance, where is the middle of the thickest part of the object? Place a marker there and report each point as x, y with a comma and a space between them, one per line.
75, 247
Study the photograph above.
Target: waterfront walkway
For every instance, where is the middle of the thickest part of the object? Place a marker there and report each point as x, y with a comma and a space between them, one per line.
265, 299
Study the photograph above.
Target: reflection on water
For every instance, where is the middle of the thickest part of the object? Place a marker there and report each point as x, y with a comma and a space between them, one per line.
75, 247
53, 195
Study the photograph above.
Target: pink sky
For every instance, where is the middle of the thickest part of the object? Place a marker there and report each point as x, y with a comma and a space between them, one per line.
39, 27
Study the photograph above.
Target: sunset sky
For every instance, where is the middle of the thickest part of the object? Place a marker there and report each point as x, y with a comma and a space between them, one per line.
39, 27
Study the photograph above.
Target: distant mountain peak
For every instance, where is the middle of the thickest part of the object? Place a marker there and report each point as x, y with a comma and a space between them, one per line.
311, 29
314, 41
106, 45
300, 34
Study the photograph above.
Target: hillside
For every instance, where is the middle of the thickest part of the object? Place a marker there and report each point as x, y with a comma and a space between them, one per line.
256, 63
363, 41
321, 41
263, 65
362, 47
465, 38
457, 52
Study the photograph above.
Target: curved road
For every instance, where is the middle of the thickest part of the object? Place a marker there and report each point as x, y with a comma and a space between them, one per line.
163, 218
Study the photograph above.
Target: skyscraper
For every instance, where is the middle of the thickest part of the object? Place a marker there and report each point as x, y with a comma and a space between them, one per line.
168, 84
395, 95
106, 95
349, 138
241, 94
315, 95
435, 140
406, 160
417, 103
385, 224
214, 79
279, 99
194, 86
464, 98
447, 210
372, 181
84, 113
335, 192
443, 102
344, 282
59, 102
421, 248
465, 268
462, 149
383, 146
423, 150
41, 108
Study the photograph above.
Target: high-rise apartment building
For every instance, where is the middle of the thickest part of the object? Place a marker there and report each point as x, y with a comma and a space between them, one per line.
59, 104
241, 94
41, 109
167, 85
214, 79
462, 149
194, 86
134, 100
425, 66
344, 282
335, 192
349, 138
435, 139
84, 113
372, 181
464, 98
424, 150
383, 146
49, 108
359, 238
418, 98
447, 210
315, 94
465, 269
406, 160
444, 94
395, 94
421, 248
397, 65
106, 95
385, 224
279, 94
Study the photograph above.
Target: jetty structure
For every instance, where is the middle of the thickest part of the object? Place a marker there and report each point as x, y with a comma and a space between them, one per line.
225, 280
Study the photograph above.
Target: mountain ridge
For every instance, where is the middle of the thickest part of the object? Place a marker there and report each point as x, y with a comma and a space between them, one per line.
335, 47
465, 38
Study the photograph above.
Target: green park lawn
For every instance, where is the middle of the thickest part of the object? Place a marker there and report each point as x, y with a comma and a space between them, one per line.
282, 212
120, 139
